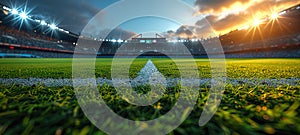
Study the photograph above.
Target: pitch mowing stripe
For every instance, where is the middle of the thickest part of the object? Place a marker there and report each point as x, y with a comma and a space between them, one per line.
49, 82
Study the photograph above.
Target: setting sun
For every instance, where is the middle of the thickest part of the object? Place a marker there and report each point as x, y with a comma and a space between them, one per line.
274, 16
149, 67
256, 22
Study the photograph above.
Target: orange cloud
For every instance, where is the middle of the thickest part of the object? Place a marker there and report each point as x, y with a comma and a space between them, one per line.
217, 7
227, 15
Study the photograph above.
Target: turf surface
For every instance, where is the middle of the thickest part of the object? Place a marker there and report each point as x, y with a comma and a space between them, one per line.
236, 68
244, 109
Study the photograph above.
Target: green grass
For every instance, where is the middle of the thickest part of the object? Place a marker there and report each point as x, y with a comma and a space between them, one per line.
244, 109
236, 68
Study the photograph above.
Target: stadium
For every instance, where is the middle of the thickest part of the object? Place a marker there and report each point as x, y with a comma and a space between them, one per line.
41, 42
44, 66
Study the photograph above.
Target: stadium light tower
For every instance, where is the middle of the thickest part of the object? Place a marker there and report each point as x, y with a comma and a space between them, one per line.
14, 11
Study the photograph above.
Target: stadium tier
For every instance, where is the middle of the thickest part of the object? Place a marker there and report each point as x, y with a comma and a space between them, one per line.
272, 38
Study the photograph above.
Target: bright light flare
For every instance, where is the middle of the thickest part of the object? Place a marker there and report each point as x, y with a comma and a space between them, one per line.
119, 41
256, 22
23, 15
43, 22
53, 26
274, 16
113, 40
244, 27
14, 11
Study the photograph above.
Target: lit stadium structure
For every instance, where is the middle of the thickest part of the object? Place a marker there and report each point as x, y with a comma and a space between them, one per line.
157, 39
23, 15
275, 36
39, 96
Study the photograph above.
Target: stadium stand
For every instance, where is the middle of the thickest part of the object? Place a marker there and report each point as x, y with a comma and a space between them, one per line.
272, 38
281, 39
13, 41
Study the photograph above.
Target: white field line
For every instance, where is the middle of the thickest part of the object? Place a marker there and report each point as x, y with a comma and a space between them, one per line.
50, 82
149, 74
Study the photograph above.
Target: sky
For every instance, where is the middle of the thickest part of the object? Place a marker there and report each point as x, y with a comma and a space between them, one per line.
220, 15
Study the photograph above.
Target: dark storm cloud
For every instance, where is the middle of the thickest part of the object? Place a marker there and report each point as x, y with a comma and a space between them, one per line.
71, 15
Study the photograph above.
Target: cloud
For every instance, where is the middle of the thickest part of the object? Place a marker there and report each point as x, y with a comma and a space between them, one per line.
227, 15
72, 15
184, 31
170, 35
189, 31
222, 16
206, 20
225, 23
117, 33
219, 6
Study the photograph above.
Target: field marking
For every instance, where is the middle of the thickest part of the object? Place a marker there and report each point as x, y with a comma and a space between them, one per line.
149, 74
50, 82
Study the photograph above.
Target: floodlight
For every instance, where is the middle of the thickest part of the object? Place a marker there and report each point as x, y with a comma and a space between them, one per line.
43, 22
53, 26
23, 15
14, 11
256, 22
7, 8
120, 41
114, 40
274, 16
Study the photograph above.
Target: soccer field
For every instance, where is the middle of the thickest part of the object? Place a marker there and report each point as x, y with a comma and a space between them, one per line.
262, 96
236, 68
